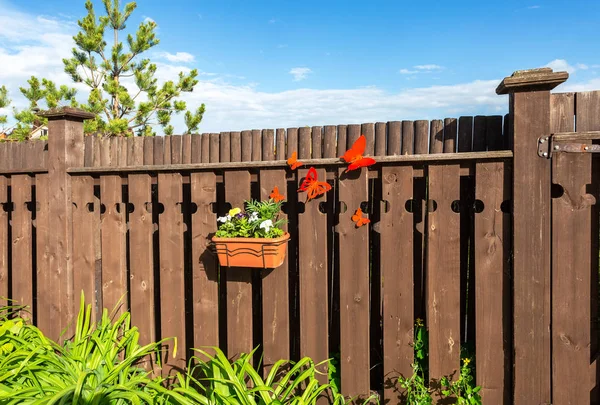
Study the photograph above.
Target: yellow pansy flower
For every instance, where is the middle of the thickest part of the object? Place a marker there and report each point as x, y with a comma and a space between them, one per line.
234, 211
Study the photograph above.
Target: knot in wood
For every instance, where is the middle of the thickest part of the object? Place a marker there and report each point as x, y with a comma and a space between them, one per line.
357, 298
390, 178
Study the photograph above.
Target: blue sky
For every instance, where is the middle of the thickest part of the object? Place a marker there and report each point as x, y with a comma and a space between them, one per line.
287, 63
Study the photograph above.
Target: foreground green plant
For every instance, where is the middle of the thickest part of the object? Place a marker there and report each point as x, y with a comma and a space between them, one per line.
260, 220
462, 389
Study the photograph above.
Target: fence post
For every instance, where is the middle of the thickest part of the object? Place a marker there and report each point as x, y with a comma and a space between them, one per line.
65, 149
529, 105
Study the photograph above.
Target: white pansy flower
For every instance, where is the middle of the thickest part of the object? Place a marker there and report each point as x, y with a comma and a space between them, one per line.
224, 219
253, 217
266, 225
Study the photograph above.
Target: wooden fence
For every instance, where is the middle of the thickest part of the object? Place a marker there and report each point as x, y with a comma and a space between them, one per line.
493, 246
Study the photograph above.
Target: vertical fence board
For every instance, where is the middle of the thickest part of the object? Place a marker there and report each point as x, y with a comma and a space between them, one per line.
167, 149
292, 141
493, 132
239, 280
214, 148
421, 137
280, 146
450, 128
84, 231
205, 148
394, 144
204, 266
41, 237
304, 143
408, 137
172, 288
275, 287
104, 145
329, 144
136, 156
176, 149
479, 136
88, 154
114, 270
368, 130
186, 149
342, 137
256, 145
353, 134
22, 275
396, 230
268, 144
225, 147
4, 258
491, 283
317, 141
122, 146
148, 150
354, 285
159, 150
142, 257
465, 134
571, 251
196, 148
246, 150
380, 138
436, 136
443, 271
312, 267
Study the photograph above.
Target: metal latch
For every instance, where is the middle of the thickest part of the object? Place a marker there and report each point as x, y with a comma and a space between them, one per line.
568, 142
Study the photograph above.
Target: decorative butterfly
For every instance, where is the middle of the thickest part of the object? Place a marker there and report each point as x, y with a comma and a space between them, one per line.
293, 161
275, 195
313, 186
354, 155
358, 218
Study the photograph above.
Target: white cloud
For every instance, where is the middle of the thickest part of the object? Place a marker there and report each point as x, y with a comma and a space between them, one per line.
533, 7
300, 73
561, 65
429, 67
182, 57
582, 66
407, 72
148, 19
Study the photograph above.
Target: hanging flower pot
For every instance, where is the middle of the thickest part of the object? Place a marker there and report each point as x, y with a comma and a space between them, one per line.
254, 237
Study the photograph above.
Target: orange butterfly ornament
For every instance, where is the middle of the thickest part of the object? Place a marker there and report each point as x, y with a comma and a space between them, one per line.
355, 157
275, 195
313, 186
358, 218
293, 162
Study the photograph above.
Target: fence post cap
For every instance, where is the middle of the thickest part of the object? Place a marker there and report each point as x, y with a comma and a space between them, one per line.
531, 80
60, 113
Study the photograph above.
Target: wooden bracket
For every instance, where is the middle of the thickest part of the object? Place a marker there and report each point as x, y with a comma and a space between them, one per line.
561, 142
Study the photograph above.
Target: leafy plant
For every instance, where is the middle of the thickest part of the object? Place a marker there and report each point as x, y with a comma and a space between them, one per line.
463, 388
239, 383
415, 389
334, 372
260, 220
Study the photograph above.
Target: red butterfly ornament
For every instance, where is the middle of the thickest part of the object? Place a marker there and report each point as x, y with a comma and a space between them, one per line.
313, 186
355, 157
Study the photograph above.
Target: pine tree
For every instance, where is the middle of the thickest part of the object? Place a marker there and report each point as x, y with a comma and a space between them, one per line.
4, 102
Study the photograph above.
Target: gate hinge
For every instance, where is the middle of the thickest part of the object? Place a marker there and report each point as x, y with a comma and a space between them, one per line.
568, 142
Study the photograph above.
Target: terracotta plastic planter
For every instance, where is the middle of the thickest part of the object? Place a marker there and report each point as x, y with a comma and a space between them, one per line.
251, 252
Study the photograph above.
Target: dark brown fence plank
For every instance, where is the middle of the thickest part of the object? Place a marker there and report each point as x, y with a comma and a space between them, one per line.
396, 230
246, 146
304, 143
256, 145
196, 148
43, 293
353, 134
172, 288
380, 138
235, 140
136, 158
167, 149
225, 147
394, 138
205, 148
4, 258
571, 252
268, 144
465, 134
114, 270
97, 154
450, 128
493, 132
239, 280
492, 291
329, 141
85, 230
317, 141
421, 137
280, 147
204, 265
141, 257
479, 137
408, 137
104, 144
342, 138
443, 271
123, 147
186, 148
292, 141
275, 287
3, 156
22, 244
88, 154
368, 130
436, 136
148, 150
176, 149
214, 148
354, 286
114, 150
312, 268
159, 150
